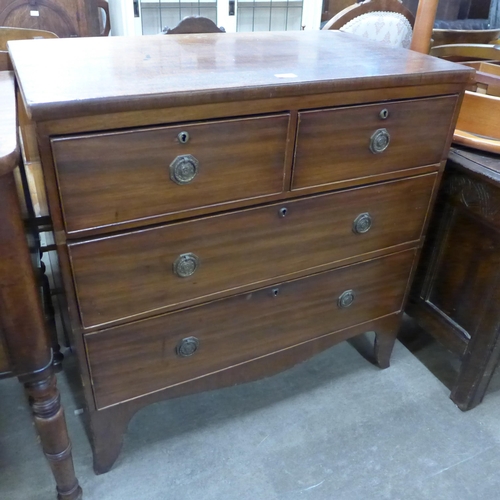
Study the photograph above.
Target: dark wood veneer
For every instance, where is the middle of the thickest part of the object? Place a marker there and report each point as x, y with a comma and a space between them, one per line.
165, 71
238, 160
457, 294
138, 358
241, 249
334, 145
122, 270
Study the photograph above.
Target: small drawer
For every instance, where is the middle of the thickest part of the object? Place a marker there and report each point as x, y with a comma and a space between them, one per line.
360, 142
175, 265
109, 178
145, 356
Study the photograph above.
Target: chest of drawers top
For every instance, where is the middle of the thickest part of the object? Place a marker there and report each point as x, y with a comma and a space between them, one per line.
88, 76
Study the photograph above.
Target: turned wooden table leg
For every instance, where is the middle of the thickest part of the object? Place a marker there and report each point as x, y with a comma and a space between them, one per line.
25, 334
48, 415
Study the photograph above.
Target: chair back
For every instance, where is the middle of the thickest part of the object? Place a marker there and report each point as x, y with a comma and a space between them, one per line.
385, 21
194, 24
7, 34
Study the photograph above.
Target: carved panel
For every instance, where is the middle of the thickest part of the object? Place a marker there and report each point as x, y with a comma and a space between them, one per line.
478, 197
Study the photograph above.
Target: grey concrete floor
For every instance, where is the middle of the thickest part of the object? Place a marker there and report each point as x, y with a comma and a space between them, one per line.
333, 428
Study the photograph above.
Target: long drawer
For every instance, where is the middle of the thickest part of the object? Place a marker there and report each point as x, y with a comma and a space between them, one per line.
146, 356
116, 177
355, 142
171, 266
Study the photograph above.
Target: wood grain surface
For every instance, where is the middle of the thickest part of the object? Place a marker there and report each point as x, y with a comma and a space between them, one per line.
334, 145
128, 309
85, 76
122, 276
109, 178
66, 18
456, 295
126, 364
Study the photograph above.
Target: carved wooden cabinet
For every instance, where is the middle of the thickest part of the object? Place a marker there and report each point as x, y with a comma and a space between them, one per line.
457, 293
227, 205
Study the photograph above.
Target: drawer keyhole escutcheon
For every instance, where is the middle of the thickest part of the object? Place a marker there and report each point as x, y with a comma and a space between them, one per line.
186, 265
384, 114
183, 137
187, 347
275, 291
379, 141
346, 299
283, 211
184, 169
362, 223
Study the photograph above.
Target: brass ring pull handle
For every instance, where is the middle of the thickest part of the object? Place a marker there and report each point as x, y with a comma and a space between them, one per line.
184, 169
186, 265
362, 223
187, 347
379, 141
346, 299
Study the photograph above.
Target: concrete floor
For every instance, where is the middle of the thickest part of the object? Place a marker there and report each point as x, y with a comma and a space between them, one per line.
333, 428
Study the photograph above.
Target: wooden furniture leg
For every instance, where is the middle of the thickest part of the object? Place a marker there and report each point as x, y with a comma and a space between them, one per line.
108, 428
480, 358
384, 344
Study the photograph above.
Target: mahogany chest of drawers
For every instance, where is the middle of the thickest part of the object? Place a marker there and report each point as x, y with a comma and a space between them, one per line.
228, 205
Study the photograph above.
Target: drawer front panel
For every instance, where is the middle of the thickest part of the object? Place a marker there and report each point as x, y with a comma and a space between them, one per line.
177, 264
111, 178
334, 145
138, 358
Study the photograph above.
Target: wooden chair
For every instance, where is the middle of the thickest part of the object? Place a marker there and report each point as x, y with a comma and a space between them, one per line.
7, 34
192, 25
386, 21
399, 28
333, 7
